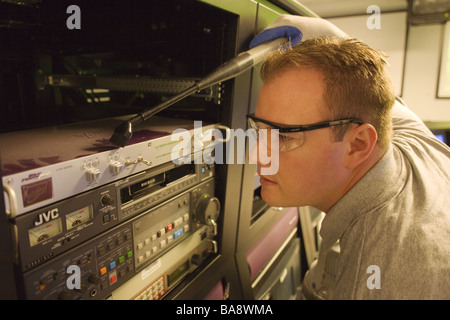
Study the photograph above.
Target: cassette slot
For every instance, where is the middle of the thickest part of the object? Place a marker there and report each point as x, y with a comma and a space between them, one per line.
142, 188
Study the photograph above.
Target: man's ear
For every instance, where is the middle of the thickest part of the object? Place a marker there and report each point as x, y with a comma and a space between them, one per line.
361, 141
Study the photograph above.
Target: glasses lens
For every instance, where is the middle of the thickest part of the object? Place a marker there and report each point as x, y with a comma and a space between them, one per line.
290, 140
266, 134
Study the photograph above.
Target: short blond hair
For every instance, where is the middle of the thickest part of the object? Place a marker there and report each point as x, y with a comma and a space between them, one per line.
357, 84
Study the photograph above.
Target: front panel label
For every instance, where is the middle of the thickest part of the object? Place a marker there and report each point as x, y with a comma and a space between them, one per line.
36, 192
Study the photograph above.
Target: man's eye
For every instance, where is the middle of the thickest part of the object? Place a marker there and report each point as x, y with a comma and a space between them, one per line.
285, 137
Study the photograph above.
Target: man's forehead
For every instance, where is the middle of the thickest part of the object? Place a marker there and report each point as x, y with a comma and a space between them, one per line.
294, 97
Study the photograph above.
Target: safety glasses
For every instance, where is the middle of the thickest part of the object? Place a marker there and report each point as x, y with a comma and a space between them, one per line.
290, 137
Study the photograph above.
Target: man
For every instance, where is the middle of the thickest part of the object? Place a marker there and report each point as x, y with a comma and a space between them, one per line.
347, 148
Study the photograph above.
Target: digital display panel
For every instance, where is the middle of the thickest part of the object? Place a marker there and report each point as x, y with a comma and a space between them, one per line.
177, 273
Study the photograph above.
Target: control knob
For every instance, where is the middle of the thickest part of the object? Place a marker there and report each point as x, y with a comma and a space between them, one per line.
107, 200
207, 211
93, 278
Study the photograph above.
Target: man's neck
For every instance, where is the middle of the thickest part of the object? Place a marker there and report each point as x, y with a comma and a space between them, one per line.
358, 172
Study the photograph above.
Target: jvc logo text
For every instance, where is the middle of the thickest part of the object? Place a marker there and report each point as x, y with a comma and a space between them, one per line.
47, 216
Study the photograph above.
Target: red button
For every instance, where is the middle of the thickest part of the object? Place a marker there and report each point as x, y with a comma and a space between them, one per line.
169, 227
113, 278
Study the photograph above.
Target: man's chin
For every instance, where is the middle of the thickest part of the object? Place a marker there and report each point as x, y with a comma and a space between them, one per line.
270, 198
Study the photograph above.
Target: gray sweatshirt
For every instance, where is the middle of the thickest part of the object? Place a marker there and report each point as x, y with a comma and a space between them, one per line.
392, 227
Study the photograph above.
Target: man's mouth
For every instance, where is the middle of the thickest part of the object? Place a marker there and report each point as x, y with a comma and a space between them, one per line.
266, 182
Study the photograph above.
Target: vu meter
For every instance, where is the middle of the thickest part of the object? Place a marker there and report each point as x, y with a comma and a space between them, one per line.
45, 231
78, 217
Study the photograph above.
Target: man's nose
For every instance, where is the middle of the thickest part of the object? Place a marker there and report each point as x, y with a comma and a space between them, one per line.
260, 155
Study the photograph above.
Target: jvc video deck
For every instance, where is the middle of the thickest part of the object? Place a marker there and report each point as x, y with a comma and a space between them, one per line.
108, 260
52, 230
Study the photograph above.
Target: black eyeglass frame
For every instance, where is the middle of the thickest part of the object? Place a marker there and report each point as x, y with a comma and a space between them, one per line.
306, 127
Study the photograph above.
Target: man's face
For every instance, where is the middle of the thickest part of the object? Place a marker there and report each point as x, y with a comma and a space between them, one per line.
313, 173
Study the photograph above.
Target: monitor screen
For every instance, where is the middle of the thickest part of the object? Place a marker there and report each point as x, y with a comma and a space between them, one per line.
440, 136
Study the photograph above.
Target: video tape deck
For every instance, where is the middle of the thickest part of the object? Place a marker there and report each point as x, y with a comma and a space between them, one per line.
110, 259
52, 230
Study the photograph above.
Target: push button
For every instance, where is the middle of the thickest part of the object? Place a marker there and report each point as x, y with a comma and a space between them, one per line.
178, 222
111, 245
178, 233
113, 277
101, 251
161, 232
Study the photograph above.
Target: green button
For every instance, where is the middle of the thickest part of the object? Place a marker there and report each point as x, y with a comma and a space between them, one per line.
121, 259
129, 254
